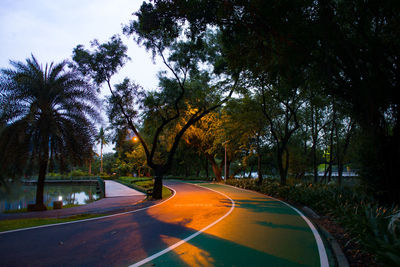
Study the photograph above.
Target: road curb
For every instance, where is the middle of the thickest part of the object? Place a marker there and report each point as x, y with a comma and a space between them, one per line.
340, 257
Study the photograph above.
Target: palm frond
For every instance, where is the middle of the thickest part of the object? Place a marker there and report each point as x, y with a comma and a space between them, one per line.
45, 105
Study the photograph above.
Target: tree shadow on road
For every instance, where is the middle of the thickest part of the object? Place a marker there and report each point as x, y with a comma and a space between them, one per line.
203, 250
284, 226
129, 238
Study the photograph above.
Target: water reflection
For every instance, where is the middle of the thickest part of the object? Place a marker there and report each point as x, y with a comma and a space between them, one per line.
19, 196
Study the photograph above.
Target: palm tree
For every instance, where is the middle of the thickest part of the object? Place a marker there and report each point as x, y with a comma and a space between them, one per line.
47, 114
101, 139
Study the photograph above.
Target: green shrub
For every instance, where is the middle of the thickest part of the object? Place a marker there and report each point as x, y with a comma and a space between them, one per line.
78, 172
134, 179
188, 178
54, 174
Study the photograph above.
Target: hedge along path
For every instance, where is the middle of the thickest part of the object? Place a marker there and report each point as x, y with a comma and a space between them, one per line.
260, 231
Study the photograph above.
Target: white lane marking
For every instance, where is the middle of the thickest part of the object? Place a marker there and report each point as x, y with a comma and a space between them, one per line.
92, 219
323, 258
168, 249
320, 244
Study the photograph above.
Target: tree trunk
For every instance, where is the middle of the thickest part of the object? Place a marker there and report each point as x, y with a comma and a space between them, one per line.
325, 171
186, 168
43, 162
281, 169
260, 178
330, 166
157, 188
286, 169
90, 166
217, 172
101, 157
314, 146
342, 153
228, 166
39, 206
315, 166
251, 170
340, 173
206, 166
331, 140
339, 157
216, 169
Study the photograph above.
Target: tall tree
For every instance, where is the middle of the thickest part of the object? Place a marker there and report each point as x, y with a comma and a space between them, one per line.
51, 112
345, 128
189, 84
318, 111
102, 139
351, 47
235, 129
246, 128
280, 106
202, 136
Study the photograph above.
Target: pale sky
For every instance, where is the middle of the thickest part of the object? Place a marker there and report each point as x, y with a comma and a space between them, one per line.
50, 29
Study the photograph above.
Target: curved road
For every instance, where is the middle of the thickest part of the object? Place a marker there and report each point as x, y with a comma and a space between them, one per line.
207, 225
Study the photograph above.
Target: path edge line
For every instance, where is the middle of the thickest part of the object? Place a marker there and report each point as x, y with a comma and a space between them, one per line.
168, 249
320, 244
92, 219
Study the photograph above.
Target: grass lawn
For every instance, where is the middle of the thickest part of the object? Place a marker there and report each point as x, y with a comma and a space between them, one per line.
6, 225
166, 193
48, 208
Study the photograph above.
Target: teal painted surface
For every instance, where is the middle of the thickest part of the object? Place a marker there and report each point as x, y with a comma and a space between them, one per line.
261, 231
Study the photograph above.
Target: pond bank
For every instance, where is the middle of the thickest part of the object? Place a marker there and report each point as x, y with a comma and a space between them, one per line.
18, 195
102, 206
119, 198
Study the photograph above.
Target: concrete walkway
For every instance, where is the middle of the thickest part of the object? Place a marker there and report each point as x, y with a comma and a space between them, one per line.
114, 189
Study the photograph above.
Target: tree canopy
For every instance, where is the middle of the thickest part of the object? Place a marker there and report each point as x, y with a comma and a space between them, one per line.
346, 50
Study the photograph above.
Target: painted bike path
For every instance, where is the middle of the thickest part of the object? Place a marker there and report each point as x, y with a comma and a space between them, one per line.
223, 226
119, 198
260, 231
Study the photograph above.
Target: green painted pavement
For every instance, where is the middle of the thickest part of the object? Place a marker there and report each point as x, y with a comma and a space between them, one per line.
260, 231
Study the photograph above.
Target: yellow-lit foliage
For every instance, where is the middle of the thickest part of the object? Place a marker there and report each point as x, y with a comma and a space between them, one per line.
137, 158
215, 130
203, 134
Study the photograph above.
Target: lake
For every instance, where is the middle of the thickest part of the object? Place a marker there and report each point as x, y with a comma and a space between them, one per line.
20, 195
